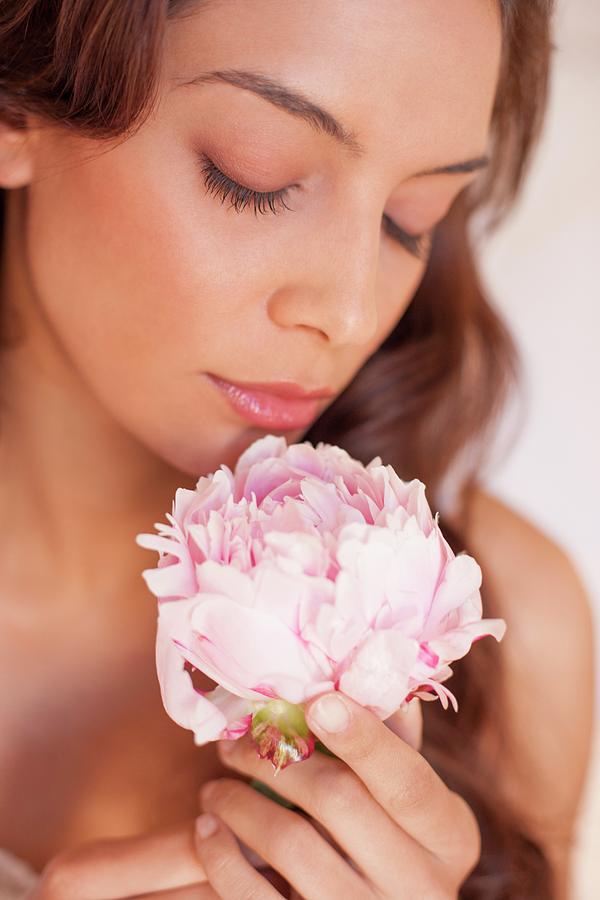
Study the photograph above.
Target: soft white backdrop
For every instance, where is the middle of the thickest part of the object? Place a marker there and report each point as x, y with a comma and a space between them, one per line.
543, 272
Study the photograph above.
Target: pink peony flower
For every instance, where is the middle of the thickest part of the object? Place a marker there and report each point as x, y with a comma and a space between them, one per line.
301, 572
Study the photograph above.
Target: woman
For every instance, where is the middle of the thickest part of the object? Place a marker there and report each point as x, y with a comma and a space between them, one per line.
196, 189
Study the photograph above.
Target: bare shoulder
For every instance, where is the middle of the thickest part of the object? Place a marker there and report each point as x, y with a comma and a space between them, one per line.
548, 650
537, 585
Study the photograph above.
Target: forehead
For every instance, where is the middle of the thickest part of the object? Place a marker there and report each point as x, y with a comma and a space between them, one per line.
414, 76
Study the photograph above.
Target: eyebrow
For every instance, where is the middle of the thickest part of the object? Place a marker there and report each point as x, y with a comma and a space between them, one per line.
297, 104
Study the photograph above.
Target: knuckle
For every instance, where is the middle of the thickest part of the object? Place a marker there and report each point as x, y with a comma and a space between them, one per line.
445, 886
296, 833
437, 891
470, 833
339, 792
221, 864
434, 885
411, 791
60, 877
227, 872
464, 840
251, 892
225, 794
361, 747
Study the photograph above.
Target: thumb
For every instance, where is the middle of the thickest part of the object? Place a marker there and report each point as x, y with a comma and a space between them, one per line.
408, 723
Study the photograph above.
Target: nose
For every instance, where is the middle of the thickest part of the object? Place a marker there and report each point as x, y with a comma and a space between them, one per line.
331, 288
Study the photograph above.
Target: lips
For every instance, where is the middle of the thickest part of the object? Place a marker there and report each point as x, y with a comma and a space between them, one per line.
280, 405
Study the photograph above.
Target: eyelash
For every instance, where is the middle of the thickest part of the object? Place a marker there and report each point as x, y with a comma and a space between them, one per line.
219, 184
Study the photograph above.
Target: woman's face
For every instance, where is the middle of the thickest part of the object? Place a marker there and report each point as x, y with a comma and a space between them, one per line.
150, 281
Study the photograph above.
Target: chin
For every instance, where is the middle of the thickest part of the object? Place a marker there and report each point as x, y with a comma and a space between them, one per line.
203, 456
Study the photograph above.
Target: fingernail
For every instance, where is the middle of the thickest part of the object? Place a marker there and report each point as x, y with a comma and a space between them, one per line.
206, 825
330, 713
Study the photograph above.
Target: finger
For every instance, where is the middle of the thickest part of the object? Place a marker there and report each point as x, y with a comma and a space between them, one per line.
408, 724
227, 869
191, 892
286, 839
126, 867
329, 791
395, 774
256, 860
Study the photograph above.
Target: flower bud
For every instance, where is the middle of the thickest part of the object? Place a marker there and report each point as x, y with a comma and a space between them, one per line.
281, 734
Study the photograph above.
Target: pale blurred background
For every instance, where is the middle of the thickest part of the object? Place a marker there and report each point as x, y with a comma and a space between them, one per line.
542, 269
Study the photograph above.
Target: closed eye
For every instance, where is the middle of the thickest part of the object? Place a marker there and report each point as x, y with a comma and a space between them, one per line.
220, 185
417, 244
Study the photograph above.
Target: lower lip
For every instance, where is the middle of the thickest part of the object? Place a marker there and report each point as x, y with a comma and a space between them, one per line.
268, 410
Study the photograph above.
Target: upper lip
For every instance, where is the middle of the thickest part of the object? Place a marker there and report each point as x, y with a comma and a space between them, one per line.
288, 389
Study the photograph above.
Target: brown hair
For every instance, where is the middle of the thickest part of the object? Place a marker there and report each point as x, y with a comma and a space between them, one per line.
434, 388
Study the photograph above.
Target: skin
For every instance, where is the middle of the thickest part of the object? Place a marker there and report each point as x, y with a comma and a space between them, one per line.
127, 280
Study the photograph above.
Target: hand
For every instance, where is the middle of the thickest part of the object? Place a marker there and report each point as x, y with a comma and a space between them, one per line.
381, 823
162, 865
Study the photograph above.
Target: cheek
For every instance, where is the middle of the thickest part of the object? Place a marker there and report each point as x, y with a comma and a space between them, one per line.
113, 266
399, 278
140, 300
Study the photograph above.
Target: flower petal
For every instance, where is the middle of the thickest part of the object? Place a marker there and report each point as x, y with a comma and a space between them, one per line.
212, 715
378, 674
249, 647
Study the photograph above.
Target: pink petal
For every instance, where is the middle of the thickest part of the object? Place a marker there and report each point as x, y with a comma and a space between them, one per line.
211, 715
324, 500
175, 618
248, 647
378, 674
457, 643
460, 584
174, 576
